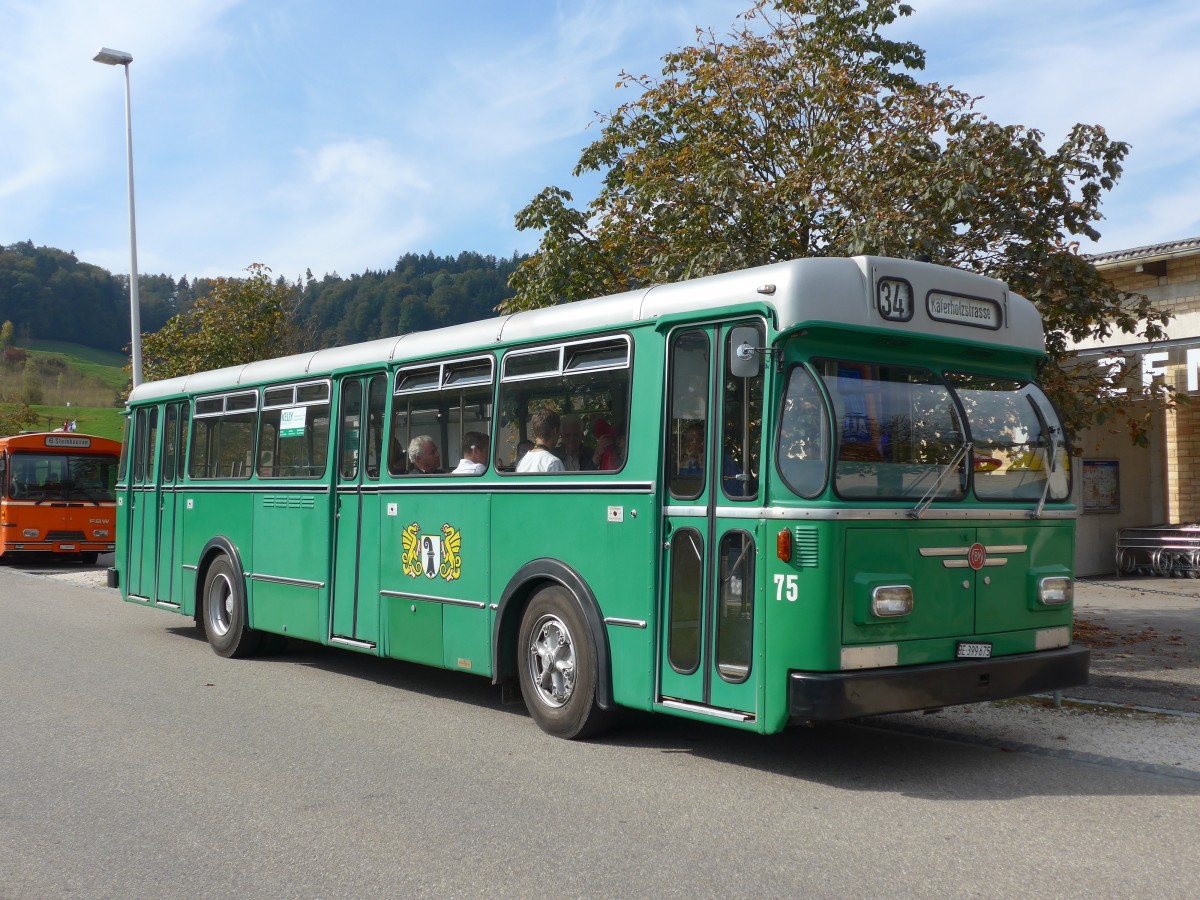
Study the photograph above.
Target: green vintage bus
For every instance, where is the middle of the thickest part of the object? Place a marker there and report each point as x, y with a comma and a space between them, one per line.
814, 490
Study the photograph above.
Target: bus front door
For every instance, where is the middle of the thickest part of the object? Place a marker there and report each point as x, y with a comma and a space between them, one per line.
710, 552
354, 597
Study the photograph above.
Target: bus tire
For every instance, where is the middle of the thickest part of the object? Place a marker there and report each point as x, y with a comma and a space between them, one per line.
557, 666
224, 614
89, 558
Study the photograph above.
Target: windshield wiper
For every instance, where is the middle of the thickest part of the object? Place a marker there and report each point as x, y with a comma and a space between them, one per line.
923, 504
1051, 468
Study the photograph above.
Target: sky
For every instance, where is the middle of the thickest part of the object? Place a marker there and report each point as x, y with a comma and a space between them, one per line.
337, 136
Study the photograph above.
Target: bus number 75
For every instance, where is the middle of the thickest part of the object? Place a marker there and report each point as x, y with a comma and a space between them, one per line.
787, 584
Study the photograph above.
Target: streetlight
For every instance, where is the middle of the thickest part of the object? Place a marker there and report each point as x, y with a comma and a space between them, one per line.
119, 58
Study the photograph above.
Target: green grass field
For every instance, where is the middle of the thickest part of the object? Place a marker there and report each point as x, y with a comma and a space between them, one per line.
94, 378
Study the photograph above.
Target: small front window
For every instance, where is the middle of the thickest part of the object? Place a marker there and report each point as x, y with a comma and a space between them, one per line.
803, 454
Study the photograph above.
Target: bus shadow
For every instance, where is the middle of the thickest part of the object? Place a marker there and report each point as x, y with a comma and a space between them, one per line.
857, 756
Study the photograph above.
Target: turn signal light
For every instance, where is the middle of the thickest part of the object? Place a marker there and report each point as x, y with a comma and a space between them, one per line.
783, 545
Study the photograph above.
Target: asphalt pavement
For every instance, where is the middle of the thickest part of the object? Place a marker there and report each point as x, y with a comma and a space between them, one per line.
1139, 711
1144, 633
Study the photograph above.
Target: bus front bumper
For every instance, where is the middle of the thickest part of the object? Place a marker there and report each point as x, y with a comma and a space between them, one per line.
830, 696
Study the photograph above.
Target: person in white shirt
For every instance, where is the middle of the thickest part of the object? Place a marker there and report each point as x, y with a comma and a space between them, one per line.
544, 425
474, 454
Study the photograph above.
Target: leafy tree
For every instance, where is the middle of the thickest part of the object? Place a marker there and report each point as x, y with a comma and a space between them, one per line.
16, 417
806, 133
6, 335
239, 320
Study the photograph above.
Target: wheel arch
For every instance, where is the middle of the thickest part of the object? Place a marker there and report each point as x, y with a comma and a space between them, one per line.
217, 546
527, 581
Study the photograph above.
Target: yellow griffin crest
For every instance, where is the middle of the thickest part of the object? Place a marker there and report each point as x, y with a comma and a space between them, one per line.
431, 556
410, 561
451, 566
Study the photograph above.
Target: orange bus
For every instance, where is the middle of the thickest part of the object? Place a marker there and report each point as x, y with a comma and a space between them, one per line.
57, 495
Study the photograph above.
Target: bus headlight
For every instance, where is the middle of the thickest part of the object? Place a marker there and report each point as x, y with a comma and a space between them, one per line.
100, 534
30, 534
1056, 590
891, 600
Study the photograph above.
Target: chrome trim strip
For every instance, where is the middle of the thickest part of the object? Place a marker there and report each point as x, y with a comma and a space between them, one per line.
279, 579
875, 513
190, 568
685, 510
429, 598
139, 597
477, 484
630, 623
708, 711
1007, 548
350, 642
167, 603
991, 561
943, 551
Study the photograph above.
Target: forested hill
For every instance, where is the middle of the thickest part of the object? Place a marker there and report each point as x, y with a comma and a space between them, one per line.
49, 294
420, 293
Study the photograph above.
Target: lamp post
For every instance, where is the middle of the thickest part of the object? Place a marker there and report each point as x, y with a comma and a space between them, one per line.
119, 58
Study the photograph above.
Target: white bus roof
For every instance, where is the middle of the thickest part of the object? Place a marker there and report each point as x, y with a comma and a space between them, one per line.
814, 291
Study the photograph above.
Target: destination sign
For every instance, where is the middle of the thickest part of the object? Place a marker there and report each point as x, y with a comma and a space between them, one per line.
961, 310
64, 440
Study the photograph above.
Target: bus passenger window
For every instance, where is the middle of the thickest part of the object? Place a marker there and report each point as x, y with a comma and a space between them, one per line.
585, 385
446, 406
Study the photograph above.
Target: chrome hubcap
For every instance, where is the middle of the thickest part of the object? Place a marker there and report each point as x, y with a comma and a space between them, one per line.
218, 605
552, 661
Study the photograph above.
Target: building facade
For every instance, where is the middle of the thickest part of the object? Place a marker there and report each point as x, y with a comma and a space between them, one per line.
1118, 484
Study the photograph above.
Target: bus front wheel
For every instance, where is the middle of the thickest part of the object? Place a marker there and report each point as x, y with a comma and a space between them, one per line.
558, 669
225, 612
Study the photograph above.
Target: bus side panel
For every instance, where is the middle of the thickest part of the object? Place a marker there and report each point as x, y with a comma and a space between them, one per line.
291, 540
610, 540
802, 610
433, 573
216, 513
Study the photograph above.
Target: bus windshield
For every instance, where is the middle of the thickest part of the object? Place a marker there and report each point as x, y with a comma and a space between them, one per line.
898, 433
62, 476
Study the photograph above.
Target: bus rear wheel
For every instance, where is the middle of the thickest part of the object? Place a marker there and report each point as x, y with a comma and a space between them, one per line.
225, 621
558, 668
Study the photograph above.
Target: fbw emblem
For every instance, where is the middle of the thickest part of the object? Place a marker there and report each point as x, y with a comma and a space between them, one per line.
435, 555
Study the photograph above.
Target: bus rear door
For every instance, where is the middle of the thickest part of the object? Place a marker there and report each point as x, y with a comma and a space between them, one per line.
143, 503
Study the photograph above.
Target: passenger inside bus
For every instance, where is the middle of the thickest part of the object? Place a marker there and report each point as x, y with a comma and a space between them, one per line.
544, 425
609, 446
423, 456
474, 454
576, 456
691, 466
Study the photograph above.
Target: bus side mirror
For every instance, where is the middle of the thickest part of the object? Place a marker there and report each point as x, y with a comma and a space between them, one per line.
745, 360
